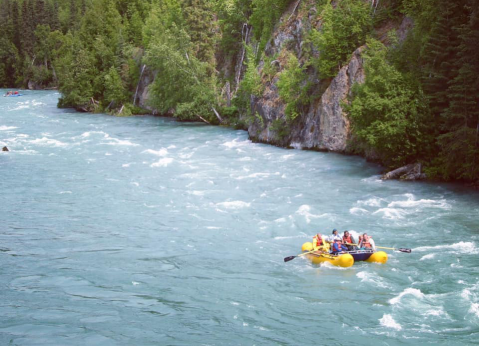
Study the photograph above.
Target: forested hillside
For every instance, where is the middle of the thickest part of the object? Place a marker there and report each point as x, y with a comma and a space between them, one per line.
214, 60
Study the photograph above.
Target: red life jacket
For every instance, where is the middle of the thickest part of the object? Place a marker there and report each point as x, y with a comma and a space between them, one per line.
347, 239
319, 240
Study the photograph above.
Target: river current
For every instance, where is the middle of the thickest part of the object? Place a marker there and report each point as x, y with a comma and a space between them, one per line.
146, 231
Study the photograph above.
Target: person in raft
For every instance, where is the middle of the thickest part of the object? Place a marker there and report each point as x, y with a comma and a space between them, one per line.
348, 240
320, 244
317, 241
338, 247
334, 236
365, 242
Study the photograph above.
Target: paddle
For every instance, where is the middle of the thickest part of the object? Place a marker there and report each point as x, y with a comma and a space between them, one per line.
389, 248
290, 258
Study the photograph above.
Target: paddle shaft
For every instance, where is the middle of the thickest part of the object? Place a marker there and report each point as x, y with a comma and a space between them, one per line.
290, 258
389, 248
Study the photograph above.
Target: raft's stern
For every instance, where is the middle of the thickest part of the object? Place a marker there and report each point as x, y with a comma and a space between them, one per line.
378, 257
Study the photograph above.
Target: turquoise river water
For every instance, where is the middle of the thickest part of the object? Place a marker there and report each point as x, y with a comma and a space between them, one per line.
146, 231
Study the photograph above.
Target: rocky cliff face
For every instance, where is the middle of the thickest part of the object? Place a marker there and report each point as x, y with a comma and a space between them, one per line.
324, 125
142, 94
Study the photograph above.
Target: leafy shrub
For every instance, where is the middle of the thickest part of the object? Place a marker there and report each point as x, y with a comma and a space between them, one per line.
292, 87
388, 110
344, 29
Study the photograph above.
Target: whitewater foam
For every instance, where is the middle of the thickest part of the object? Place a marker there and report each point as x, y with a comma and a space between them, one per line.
474, 309
408, 291
162, 152
412, 203
233, 205
7, 128
371, 278
389, 322
163, 162
89, 133
429, 256
196, 193
256, 175
235, 143
372, 202
305, 209
358, 211
461, 247
391, 213
116, 141
44, 141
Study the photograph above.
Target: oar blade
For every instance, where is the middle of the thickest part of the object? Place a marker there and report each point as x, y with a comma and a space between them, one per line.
405, 250
289, 258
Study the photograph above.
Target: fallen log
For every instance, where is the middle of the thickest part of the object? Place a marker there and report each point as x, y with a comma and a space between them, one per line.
409, 172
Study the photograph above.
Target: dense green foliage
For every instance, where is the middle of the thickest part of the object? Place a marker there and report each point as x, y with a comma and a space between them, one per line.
419, 101
388, 109
24, 50
291, 87
265, 15
344, 29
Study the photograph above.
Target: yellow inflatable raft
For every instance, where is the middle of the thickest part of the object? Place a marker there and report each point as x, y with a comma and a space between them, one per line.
345, 259
318, 257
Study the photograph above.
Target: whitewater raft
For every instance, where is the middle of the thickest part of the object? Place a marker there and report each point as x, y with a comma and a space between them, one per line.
344, 259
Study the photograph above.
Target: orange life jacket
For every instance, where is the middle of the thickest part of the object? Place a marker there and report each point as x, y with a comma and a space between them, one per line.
366, 243
319, 240
347, 239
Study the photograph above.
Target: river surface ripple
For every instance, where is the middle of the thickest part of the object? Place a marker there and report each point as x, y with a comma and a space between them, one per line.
146, 231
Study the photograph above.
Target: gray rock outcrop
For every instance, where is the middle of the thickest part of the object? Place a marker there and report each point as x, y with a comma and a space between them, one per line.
326, 125
144, 85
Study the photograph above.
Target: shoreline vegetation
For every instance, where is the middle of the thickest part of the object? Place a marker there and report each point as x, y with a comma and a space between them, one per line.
414, 110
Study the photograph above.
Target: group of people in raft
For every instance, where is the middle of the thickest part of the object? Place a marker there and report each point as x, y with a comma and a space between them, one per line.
11, 93
336, 244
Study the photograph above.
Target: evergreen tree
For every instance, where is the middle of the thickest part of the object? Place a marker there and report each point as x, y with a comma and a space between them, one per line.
17, 27
459, 156
40, 13
440, 55
54, 20
201, 26
73, 14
